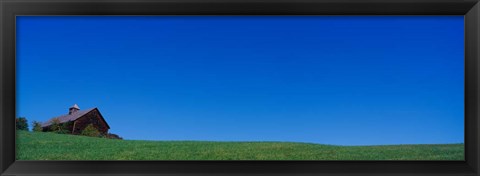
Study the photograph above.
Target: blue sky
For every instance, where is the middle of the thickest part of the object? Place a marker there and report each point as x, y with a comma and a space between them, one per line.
344, 80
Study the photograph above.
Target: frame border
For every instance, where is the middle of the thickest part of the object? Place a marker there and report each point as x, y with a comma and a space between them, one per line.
12, 8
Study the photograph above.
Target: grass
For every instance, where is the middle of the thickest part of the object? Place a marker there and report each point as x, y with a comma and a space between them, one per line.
50, 146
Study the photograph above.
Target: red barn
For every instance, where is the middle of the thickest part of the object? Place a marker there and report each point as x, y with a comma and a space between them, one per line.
76, 120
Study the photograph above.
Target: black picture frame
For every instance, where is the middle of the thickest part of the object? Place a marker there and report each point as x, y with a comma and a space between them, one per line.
12, 8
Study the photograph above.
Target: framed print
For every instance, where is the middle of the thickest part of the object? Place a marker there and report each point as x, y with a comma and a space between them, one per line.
312, 87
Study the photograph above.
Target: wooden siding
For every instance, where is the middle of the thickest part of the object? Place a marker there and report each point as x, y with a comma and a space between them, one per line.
93, 117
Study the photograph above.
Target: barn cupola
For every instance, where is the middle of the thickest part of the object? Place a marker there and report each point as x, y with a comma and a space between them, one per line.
73, 109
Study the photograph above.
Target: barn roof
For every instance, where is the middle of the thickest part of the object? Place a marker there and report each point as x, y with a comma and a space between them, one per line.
68, 117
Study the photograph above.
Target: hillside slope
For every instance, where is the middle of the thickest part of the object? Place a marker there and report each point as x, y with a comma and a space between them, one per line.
49, 146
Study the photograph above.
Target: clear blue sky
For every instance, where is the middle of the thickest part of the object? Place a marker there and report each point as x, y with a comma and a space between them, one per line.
344, 80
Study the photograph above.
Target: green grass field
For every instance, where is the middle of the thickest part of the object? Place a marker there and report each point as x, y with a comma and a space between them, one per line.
50, 146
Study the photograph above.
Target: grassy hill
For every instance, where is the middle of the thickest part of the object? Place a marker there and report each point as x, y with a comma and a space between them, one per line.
50, 146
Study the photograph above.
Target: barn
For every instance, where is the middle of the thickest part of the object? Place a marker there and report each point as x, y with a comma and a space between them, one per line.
76, 120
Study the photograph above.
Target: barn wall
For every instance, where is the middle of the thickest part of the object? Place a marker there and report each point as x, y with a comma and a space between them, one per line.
69, 126
93, 117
